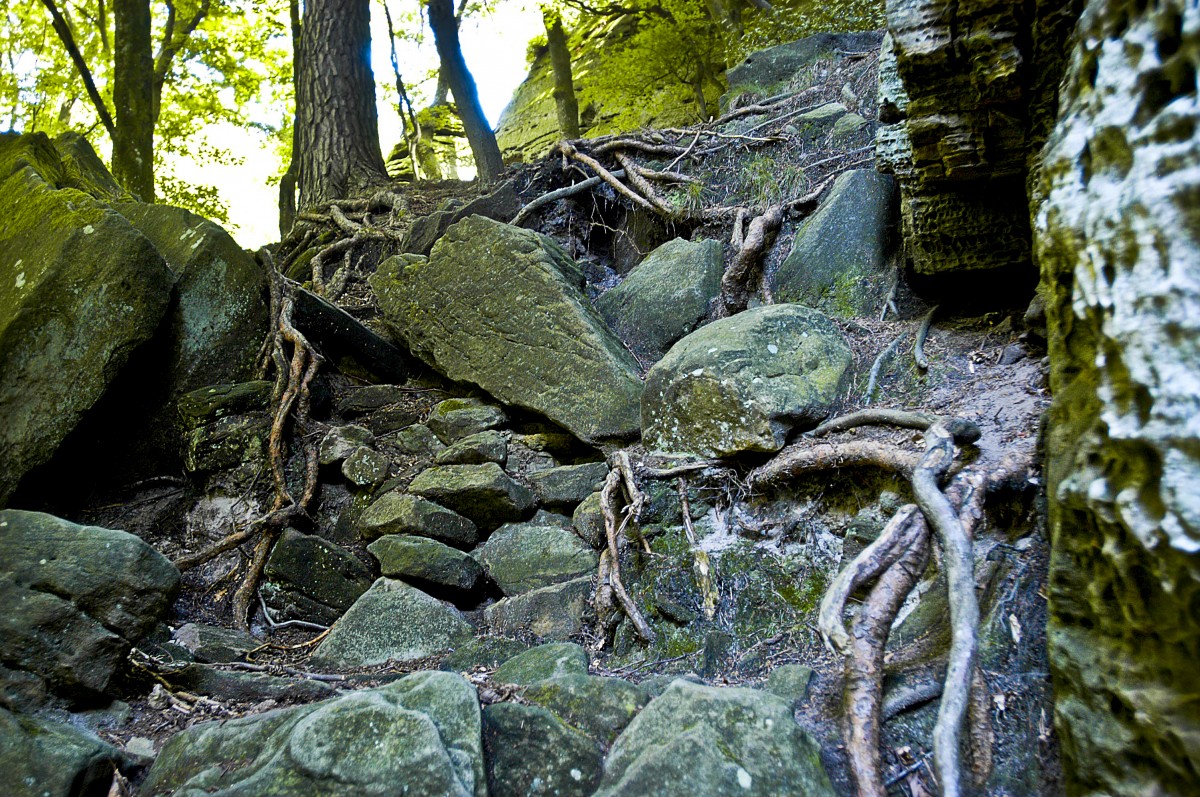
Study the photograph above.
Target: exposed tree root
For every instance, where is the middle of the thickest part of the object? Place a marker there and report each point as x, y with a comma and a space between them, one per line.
877, 366
587, 160
922, 334
291, 396
609, 584
561, 193
739, 281
962, 430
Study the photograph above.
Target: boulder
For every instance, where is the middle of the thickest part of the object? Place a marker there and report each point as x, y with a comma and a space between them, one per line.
743, 383
567, 486
417, 440
588, 521
42, 758
501, 205
1118, 244
400, 513
521, 557
83, 169
213, 644
425, 562
219, 316
767, 71
391, 622
529, 751
420, 736
310, 578
362, 399
248, 687
80, 290
346, 343
457, 418
76, 598
600, 707
789, 681
496, 306
551, 660
554, 612
365, 467
484, 494
476, 449
342, 441
665, 297
837, 261
698, 741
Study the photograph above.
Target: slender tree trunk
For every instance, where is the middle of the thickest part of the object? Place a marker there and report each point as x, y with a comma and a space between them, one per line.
133, 98
479, 134
287, 183
565, 103
336, 121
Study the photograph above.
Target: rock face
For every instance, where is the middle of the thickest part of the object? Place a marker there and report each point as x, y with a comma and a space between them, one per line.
418, 736
701, 740
500, 307
964, 89
75, 598
1118, 246
80, 289
665, 297
741, 383
837, 261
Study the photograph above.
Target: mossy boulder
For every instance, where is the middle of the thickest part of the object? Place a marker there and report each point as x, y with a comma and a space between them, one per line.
600, 707
42, 758
665, 296
456, 418
530, 751
551, 660
743, 383
80, 290
310, 578
588, 521
697, 741
400, 513
423, 561
420, 735
476, 449
521, 557
837, 262
484, 494
497, 306
392, 621
76, 598
568, 485
550, 613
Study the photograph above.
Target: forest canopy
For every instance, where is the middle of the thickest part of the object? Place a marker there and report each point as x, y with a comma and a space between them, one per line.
230, 63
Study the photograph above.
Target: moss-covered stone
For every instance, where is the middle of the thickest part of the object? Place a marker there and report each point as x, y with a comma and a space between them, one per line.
837, 261
305, 566
530, 751
742, 383
392, 621
420, 560
80, 289
485, 494
494, 306
521, 557
342, 441
422, 731
569, 485
476, 449
417, 440
600, 707
400, 513
588, 521
700, 740
42, 758
365, 467
552, 613
456, 418
665, 297
552, 660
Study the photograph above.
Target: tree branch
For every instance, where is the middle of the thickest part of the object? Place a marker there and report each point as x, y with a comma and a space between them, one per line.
68, 39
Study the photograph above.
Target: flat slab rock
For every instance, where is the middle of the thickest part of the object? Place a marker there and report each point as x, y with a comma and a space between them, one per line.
743, 383
501, 308
423, 731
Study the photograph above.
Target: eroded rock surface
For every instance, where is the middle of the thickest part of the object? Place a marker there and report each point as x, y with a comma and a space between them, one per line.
1118, 247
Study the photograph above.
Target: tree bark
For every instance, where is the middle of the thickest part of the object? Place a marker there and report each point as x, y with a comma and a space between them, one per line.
565, 103
287, 183
133, 98
479, 134
336, 121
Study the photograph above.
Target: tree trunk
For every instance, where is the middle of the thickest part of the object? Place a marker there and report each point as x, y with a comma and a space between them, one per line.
564, 87
133, 98
336, 121
466, 96
287, 183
